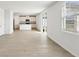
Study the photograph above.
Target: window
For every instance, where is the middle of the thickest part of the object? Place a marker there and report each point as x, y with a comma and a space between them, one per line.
70, 16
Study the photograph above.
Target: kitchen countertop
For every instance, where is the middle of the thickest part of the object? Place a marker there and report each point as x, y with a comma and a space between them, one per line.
24, 22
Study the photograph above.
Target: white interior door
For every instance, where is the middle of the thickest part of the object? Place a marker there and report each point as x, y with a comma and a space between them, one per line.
1, 22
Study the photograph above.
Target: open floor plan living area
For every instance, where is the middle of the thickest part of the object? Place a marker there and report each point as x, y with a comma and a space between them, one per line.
39, 29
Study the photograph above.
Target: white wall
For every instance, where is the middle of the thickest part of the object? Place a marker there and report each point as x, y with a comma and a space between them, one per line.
77, 23
39, 22
11, 22
54, 30
1, 21
33, 19
16, 21
8, 21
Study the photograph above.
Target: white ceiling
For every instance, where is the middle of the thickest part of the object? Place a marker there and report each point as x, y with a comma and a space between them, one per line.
25, 7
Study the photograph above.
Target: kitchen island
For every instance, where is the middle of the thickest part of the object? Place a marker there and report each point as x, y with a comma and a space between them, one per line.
25, 26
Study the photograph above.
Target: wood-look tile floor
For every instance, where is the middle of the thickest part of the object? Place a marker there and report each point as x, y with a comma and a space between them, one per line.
30, 44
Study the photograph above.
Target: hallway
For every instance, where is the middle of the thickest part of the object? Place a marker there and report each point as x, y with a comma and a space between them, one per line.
30, 44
